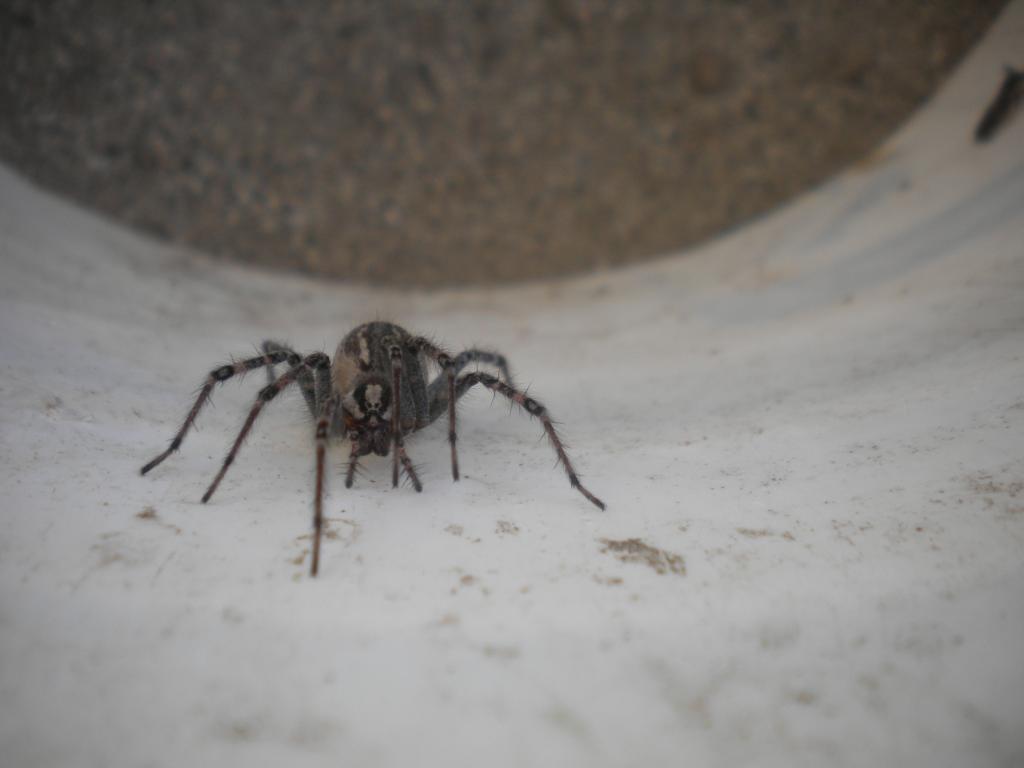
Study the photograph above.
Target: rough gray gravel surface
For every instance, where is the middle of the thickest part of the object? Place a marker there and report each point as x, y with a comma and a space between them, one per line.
418, 142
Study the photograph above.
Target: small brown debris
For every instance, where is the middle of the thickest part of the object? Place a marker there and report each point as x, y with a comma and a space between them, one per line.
332, 533
761, 533
505, 528
501, 651
1000, 494
805, 697
149, 513
752, 533
636, 551
985, 484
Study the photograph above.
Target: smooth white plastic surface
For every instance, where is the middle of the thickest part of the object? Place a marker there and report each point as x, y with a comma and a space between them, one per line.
820, 415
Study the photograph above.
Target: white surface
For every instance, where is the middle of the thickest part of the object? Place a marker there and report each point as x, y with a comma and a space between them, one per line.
823, 414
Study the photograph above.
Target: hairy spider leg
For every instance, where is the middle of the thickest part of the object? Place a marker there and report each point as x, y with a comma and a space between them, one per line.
311, 393
353, 463
216, 376
400, 456
460, 361
322, 427
414, 379
410, 470
268, 393
446, 385
534, 408
496, 359
438, 390
449, 370
396, 408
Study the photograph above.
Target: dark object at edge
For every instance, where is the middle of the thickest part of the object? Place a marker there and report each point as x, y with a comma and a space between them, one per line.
1002, 105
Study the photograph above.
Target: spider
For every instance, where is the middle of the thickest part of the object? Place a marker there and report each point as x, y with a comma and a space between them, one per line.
354, 397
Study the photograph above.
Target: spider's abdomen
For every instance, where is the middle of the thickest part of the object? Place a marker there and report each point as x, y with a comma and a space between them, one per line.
362, 351
365, 345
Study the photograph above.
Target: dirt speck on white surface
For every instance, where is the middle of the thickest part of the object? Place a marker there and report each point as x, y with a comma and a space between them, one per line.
148, 513
638, 551
764, 533
505, 528
506, 652
348, 531
1005, 492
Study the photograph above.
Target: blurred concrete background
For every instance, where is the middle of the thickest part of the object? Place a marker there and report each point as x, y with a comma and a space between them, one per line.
419, 142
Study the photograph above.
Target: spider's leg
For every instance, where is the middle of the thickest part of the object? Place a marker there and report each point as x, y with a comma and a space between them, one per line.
353, 462
439, 395
534, 408
268, 393
400, 456
409, 469
322, 426
449, 369
323, 386
414, 379
398, 443
312, 394
445, 392
217, 375
442, 390
438, 386
396, 408
485, 356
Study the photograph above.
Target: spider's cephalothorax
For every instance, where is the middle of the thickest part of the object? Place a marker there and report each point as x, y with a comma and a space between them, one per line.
367, 416
374, 393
